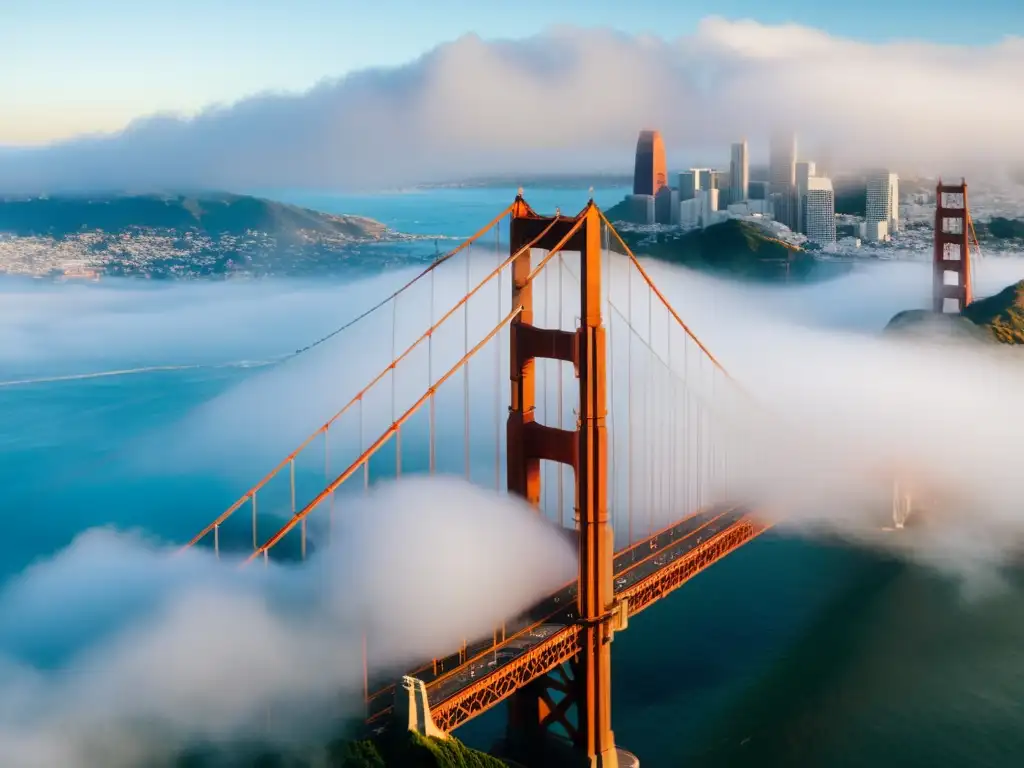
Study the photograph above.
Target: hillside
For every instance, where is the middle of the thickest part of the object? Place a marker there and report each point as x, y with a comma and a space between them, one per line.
995, 319
920, 324
405, 749
178, 236
1001, 315
208, 213
1000, 228
735, 248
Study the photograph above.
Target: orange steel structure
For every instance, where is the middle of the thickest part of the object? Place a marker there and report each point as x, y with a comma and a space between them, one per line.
585, 450
952, 250
555, 658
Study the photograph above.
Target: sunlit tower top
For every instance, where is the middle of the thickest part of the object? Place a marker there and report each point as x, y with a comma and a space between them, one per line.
649, 174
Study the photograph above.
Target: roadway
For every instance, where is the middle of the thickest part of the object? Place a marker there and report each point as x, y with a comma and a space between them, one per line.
447, 677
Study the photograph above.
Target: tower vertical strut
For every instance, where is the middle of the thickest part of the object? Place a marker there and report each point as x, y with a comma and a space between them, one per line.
587, 684
952, 251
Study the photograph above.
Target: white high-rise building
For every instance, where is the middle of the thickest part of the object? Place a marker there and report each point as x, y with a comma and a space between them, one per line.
818, 205
739, 172
883, 203
782, 179
804, 171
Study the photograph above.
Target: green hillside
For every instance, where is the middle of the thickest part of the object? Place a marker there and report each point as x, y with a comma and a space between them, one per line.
733, 247
995, 319
399, 748
1001, 315
211, 213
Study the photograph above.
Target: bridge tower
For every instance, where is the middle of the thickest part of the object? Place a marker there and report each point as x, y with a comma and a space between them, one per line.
533, 709
951, 277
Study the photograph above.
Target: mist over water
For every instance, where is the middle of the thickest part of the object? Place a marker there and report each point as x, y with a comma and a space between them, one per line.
112, 637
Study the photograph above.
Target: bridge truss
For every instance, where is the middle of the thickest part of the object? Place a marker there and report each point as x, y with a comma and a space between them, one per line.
618, 424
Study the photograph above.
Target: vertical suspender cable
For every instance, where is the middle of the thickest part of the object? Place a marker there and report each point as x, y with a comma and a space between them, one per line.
560, 395
327, 479
612, 471
432, 435
629, 399
255, 543
497, 369
465, 371
651, 415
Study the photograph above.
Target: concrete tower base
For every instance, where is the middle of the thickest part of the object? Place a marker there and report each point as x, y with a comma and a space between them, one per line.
551, 751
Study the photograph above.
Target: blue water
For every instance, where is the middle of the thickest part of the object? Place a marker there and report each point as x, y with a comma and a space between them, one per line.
789, 653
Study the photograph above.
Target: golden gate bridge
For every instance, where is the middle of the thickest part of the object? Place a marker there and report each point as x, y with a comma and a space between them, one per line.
645, 453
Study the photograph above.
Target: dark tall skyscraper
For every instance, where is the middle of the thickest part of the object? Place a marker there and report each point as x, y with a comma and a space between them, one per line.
649, 174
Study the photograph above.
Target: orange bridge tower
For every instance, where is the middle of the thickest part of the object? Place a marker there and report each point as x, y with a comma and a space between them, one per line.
585, 686
951, 277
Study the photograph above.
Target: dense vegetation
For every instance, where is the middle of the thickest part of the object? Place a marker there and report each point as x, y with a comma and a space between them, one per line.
1001, 315
210, 213
735, 248
404, 749
1000, 228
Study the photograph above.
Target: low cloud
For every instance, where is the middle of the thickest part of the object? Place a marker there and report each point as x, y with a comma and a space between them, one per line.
574, 99
116, 652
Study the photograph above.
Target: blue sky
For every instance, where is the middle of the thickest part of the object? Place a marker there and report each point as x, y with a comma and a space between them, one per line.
93, 66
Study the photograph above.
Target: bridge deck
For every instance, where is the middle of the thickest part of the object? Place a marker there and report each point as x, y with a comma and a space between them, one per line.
469, 682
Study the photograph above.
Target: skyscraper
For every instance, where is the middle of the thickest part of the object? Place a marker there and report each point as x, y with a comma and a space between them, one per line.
883, 202
739, 172
818, 204
804, 170
708, 178
649, 174
782, 178
689, 183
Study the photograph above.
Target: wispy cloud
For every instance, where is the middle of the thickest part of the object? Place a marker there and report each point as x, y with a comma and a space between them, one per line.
572, 99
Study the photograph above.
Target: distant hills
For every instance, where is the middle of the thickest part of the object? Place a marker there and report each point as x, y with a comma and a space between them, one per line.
208, 213
202, 235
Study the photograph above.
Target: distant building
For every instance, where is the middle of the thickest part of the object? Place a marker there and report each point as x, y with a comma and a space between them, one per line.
689, 212
708, 178
874, 231
749, 208
757, 190
804, 171
689, 183
883, 202
709, 205
819, 210
782, 179
649, 174
739, 172
666, 206
701, 210
641, 209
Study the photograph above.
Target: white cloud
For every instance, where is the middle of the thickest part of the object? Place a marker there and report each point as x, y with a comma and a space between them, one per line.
575, 99
117, 653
